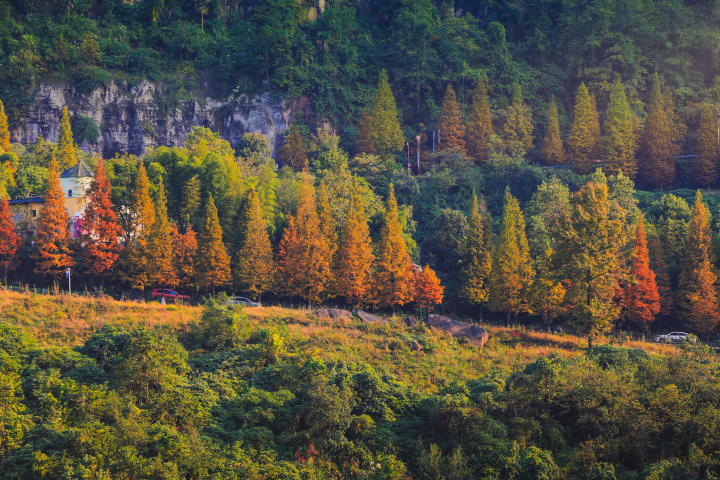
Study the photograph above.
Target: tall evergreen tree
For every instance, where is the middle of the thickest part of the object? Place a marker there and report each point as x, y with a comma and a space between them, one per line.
698, 249
393, 270
428, 291
479, 127
619, 144
365, 138
4, 131
640, 296
52, 240
452, 131
327, 223
512, 270
353, 272
134, 256
551, 148
293, 150
583, 142
658, 141
705, 169
212, 262
477, 260
9, 240
387, 137
546, 294
159, 248
101, 227
518, 123
65, 147
255, 266
662, 278
184, 253
704, 316
588, 243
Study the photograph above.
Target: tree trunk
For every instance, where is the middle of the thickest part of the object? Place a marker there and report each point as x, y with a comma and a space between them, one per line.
590, 342
482, 314
508, 320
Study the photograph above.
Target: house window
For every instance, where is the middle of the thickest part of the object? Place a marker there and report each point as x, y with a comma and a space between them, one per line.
33, 213
69, 193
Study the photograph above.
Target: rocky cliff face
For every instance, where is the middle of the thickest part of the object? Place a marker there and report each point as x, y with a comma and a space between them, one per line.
131, 120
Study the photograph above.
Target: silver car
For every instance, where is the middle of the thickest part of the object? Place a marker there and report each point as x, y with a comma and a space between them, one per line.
242, 301
674, 337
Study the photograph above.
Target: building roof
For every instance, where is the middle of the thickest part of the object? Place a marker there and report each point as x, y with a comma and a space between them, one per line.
16, 201
77, 170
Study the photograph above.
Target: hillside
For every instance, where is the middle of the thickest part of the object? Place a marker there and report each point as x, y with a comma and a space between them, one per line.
277, 393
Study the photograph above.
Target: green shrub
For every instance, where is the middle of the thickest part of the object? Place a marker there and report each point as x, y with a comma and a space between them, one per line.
90, 78
85, 130
612, 356
144, 61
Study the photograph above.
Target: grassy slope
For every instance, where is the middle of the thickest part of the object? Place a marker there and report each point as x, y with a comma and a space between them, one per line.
63, 320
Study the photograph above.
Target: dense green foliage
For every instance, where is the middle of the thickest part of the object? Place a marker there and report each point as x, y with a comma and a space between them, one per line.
248, 401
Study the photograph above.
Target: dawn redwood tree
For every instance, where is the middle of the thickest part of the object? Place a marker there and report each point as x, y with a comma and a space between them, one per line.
546, 293
477, 261
704, 316
9, 240
102, 231
385, 131
394, 272
65, 147
287, 275
479, 126
584, 140
659, 140
255, 267
184, 252
588, 258
364, 138
159, 248
640, 296
212, 262
4, 131
512, 270
705, 168
53, 255
662, 278
452, 131
293, 150
619, 145
698, 249
518, 122
428, 291
142, 216
551, 148
353, 271
327, 224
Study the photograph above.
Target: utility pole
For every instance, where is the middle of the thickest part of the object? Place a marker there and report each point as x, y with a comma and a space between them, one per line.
417, 139
434, 141
407, 144
67, 273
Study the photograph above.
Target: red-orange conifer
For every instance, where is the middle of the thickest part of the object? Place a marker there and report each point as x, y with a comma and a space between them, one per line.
101, 226
9, 241
52, 240
704, 315
184, 250
642, 300
428, 291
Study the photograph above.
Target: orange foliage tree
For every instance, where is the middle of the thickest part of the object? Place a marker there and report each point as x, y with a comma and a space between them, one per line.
9, 241
704, 315
134, 258
394, 271
159, 248
184, 251
428, 291
452, 131
52, 241
355, 257
101, 228
641, 297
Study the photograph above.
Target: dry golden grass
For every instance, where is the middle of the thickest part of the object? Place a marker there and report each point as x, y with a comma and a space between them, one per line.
69, 321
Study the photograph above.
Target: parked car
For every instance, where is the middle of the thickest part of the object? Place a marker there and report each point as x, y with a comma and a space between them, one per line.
242, 301
675, 337
168, 294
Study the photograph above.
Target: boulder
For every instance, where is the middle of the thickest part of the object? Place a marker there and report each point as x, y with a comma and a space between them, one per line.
409, 321
369, 317
332, 313
415, 346
476, 336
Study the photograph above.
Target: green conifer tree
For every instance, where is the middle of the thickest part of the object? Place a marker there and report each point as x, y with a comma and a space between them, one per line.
479, 128
658, 142
65, 155
364, 138
476, 261
385, 127
619, 145
551, 149
4, 131
518, 123
584, 138
452, 131
705, 169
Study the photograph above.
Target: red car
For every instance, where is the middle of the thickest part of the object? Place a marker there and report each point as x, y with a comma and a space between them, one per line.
168, 294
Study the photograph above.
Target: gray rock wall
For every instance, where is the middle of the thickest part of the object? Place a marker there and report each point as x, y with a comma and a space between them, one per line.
131, 120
